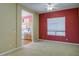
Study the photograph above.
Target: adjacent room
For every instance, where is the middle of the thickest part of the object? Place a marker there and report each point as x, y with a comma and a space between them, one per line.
26, 27
39, 29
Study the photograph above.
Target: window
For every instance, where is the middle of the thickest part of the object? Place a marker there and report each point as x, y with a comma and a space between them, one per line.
56, 26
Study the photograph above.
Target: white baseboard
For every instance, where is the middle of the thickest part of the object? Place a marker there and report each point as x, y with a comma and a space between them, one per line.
62, 42
9, 51
3, 53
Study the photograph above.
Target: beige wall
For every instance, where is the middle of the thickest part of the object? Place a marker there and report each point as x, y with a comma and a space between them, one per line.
10, 26
18, 40
35, 27
7, 26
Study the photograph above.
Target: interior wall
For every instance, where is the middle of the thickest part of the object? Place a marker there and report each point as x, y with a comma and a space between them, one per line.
72, 28
35, 27
25, 17
10, 26
78, 12
7, 26
18, 26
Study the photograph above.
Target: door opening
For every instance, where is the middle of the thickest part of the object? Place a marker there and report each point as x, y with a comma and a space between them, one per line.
26, 27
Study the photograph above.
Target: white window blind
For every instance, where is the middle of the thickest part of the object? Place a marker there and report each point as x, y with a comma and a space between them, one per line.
56, 26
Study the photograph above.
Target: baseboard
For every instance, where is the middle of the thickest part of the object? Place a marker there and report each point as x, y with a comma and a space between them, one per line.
9, 51
62, 42
3, 53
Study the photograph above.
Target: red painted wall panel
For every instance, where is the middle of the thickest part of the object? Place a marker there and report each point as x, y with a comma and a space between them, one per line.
72, 28
78, 12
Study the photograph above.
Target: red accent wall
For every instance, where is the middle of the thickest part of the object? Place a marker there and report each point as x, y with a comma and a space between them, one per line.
72, 25
78, 12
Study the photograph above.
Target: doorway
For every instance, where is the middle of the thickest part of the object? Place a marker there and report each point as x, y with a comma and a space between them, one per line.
26, 27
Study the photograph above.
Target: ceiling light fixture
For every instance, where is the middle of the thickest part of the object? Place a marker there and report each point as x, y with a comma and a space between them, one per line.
50, 6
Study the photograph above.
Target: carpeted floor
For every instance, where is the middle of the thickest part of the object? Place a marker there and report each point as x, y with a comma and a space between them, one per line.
47, 48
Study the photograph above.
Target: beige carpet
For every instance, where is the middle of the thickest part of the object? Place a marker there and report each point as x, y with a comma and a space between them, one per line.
47, 48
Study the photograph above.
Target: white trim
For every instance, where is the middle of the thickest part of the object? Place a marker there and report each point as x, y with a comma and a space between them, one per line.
61, 42
33, 42
3, 53
9, 51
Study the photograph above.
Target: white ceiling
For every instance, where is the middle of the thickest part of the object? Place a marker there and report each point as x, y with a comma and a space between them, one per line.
25, 13
41, 7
